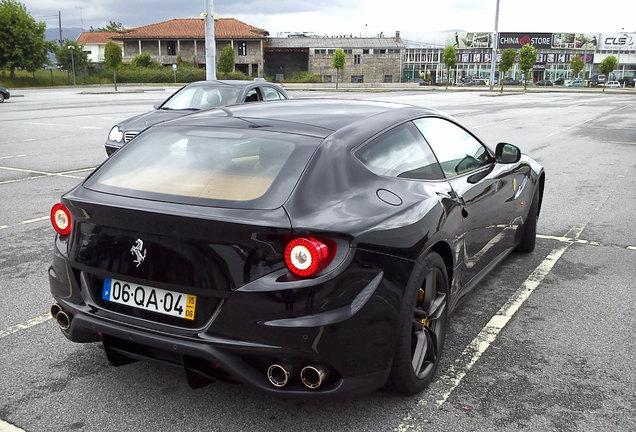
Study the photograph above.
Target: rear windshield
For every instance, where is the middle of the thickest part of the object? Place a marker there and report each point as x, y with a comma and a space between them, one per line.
234, 168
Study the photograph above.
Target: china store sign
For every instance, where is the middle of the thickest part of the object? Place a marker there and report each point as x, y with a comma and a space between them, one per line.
517, 40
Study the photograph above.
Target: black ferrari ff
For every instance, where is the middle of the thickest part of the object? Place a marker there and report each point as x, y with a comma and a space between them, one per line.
303, 247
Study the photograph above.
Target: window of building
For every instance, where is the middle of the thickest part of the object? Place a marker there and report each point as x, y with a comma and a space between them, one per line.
357, 78
320, 51
365, 51
388, 78
379, 51
394, 51
356, 59
330, 52
242, 48
348, 51
326, 78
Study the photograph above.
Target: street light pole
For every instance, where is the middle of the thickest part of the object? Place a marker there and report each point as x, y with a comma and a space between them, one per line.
495, 43
618, 61
210, 45
71, 47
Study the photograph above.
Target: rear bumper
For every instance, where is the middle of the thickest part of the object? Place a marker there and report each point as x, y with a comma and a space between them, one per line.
258, 326
230, 356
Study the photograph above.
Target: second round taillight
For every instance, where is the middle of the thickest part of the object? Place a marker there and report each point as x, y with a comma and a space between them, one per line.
306, 256
61, 219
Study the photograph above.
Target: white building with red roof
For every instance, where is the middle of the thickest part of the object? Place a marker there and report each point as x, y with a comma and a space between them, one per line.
94, 43
167, 40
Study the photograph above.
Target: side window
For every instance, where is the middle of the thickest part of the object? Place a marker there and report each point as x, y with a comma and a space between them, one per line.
401, 152
271, 93
252, 96
457, 151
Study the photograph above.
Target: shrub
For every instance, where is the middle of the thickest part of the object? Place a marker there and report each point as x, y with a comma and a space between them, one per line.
303, 77
142, 60
236, 75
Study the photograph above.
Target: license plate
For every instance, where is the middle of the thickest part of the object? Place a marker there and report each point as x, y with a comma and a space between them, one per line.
151, 299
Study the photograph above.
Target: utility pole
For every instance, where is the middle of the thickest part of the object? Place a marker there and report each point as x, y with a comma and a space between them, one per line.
210, 44
495, 43
59, 16
81, 17
72, 48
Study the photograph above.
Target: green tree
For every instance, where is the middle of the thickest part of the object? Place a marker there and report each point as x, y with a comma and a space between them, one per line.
577, 64
22, 40
226, 61
339, 61
607, 66
63, 55
450, 60
527, 59
111, 27
508, 58
142, 60
112, 57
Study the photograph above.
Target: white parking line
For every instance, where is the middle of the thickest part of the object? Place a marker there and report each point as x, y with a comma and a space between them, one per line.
573, 126
489, 333
490, 124
30, 323
39, 172
8, 427
448, 382
39, 219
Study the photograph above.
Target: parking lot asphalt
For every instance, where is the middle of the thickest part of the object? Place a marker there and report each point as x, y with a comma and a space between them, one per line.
544, 343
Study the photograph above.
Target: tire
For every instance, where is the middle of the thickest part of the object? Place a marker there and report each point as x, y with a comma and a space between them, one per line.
423, 328
529, 236
1, 98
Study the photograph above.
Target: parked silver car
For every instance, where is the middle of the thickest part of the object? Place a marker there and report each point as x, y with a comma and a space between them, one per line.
196, 96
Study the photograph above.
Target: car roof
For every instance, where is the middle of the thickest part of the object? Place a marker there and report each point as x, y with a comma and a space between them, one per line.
228, 83
317, 117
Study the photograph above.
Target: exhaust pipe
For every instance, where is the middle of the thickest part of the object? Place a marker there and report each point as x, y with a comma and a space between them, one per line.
62, 318
278, 374
55, 309
313, 376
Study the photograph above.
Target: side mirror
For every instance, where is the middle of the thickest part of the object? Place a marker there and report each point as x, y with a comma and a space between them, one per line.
507, 153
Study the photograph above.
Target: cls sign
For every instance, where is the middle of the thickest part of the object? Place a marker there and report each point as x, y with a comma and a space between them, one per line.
620, 41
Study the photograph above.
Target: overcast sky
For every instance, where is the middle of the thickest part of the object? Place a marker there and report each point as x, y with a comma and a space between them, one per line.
354, 17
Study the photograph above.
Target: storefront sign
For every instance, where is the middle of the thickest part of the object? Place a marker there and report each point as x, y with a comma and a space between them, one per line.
517, 40
582, 41
617, 41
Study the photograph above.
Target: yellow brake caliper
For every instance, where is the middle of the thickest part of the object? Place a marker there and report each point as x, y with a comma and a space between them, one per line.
420, 297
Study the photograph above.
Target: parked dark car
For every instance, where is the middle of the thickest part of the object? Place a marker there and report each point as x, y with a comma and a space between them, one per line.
543, 83
4, 94
200, 95
597, 80
305, 247
559, 81
626, 82
475, 82
511, 81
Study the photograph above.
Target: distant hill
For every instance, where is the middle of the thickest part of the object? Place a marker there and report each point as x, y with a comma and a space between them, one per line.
53, 34
67, 33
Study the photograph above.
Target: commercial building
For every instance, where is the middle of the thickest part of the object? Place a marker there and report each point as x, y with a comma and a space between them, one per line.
368, 60
423, 56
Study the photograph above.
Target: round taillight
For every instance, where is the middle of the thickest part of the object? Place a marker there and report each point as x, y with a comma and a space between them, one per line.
61, 219
306, 256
